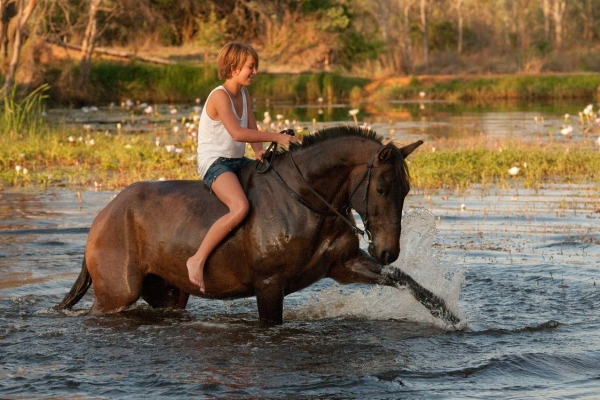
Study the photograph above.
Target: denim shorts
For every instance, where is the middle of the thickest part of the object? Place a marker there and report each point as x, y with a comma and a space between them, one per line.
223, 164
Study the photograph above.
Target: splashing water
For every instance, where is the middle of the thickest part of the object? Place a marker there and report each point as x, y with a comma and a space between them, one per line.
420, 258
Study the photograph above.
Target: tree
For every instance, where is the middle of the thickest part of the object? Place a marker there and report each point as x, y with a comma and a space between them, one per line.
210, 36
425, 29
87, 46
23, 14
558, 11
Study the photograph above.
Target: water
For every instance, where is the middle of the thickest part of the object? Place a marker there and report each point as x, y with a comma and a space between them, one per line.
400, 120
523, 271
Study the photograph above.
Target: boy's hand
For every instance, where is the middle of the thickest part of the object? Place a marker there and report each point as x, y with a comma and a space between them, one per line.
259, 154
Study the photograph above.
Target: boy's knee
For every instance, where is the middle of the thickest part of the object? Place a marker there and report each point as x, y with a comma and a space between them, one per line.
240, 212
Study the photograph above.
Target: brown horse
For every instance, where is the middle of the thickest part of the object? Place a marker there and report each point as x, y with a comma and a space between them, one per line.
298, 231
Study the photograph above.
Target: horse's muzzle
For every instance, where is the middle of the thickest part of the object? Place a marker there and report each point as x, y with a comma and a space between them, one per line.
385, 256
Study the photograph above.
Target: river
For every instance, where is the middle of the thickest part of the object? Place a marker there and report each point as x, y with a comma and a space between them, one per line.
521, 269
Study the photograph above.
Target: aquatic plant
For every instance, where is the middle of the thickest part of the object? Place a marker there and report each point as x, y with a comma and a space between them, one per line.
462, 163
59, 156
22, 116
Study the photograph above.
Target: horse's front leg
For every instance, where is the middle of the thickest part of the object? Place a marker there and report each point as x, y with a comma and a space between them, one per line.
363, 269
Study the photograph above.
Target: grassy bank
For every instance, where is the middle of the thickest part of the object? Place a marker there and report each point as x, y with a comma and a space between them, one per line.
491, 88
461, 164
112, 81
57, 157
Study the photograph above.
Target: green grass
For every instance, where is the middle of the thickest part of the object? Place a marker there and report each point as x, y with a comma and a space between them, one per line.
114, 161
462, 164
115, 81
68, 158
494, 88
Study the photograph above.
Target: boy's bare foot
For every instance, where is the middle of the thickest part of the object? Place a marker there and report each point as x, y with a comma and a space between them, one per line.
196, 272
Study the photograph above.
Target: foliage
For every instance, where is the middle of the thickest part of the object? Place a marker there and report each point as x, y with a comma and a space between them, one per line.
22, 116
61, 156
523, 87
462, 164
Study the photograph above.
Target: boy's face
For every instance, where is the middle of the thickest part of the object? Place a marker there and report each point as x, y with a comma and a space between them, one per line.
246, 73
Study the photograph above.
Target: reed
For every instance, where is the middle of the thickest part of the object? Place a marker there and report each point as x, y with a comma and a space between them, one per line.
115, 81
57, 156
493, 88
451, 164
22, 115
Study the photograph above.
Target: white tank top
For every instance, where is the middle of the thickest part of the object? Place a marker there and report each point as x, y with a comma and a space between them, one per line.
213, 139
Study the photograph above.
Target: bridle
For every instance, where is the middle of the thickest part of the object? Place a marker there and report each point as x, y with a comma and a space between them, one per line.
333, 211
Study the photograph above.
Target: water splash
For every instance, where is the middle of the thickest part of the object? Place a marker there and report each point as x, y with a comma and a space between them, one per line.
422, 259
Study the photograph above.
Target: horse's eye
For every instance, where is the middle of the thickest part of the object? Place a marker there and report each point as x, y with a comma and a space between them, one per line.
380, 190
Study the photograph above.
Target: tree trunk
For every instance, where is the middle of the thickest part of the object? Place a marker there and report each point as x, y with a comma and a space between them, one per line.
407, 41
22, 16
425, 29
546, 12
460, 25
87, 47
3, 30
558, 13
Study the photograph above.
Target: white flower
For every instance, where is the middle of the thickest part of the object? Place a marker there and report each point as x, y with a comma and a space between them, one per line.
127, 146
169, 148
513, 171
279, 117
567, 131
421, 94
18, 168
25, 171
175, 129
178, 150
173, 111
71, 139
353, 112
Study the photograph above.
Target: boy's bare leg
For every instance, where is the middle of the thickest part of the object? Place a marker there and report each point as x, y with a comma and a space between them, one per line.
228, 189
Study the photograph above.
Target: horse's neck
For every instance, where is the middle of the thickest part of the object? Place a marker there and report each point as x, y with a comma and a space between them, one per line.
329, 168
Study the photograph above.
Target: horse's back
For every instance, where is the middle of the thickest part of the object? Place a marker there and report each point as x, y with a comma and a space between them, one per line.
153, 215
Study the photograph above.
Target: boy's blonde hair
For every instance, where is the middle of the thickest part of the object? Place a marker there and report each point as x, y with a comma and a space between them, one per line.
233, 56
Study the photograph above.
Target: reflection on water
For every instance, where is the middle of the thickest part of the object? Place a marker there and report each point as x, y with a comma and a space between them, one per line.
401, 120
530, 296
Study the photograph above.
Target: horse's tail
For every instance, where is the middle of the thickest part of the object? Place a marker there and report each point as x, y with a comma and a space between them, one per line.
81, 285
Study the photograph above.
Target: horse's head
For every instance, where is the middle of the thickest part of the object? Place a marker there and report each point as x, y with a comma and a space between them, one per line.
378, 197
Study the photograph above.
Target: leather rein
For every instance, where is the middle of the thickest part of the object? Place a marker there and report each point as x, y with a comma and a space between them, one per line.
333, 211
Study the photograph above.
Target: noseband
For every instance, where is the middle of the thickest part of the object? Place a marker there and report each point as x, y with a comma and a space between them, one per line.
367, 176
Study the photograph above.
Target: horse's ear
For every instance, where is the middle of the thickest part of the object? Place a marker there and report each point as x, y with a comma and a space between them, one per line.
406, 150
386, 153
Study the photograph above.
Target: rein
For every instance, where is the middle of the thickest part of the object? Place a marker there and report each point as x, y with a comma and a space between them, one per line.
367, 175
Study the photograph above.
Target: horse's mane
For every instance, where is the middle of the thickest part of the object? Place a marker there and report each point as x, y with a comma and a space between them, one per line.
334, 133
352, 131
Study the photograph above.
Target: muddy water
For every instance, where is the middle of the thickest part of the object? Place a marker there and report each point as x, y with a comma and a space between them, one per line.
523, 271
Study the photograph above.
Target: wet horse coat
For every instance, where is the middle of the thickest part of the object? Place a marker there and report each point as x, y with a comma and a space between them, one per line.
139, 243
